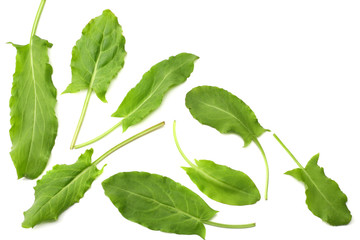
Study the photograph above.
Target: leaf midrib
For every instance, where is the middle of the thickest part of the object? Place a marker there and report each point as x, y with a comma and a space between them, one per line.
35, 103
153, 92
160, 203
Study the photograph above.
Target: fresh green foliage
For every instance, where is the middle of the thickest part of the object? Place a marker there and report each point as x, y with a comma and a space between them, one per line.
159, 203
226, 113
220, 182
223, 111
65, 185
323, 195
60, 188
98, 55
97, 58
148, 94
33, 98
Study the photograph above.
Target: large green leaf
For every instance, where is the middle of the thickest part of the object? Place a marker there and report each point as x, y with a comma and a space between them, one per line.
33, 98
98, 55
158, 203
223, 184
223, 111
147, 95
60, 188
323, 195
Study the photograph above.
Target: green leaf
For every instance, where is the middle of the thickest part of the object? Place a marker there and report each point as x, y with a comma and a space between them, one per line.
158, 203
323, 195
60, 188
223, 184
33, 98
98, 55
220, 182
223, 111
147, 95
226, 113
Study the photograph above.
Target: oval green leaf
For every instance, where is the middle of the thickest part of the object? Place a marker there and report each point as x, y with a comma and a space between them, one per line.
158, 203
223, 111
33, 98
324, 198
60, 188
223, 184
148, 94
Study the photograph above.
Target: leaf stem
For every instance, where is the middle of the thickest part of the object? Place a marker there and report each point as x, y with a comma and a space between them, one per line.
256, 141
288, 151
81, 119
37, 18
129, 140
178, 147
237, 226
98, 137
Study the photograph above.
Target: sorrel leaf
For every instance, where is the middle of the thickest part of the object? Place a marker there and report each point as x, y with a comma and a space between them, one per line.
33, 98
226, 113
60, 188
97, 58
324, 197
219, 182
159, 203
98, 55
223, 111
65, 185
148, 94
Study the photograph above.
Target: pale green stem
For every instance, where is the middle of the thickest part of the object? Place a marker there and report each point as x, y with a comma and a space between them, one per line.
266, 166
179, 149
37, 18
98, 137
221, 225
81, 119
288, 151
129, 140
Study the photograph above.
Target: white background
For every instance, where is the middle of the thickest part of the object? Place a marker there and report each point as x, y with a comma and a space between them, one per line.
295, 63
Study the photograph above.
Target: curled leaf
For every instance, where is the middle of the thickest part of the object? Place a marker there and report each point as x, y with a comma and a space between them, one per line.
60, 188
324, 198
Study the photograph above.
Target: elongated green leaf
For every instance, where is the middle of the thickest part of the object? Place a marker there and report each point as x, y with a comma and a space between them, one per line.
158, 203
60, 188
147, 95
223, 111
33, 98
98, 55
223, 184
220, 182
323, 195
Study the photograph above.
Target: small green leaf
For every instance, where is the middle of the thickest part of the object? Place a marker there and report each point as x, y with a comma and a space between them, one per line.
148, 94
98, 55
158, 203
33, 98
60, 188
323, 195
223, 184
223, 111
220, 182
